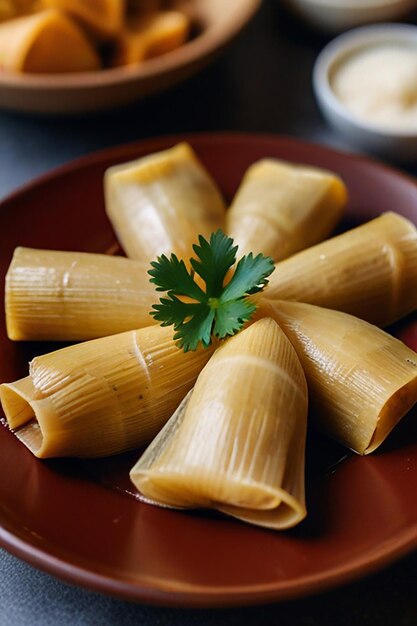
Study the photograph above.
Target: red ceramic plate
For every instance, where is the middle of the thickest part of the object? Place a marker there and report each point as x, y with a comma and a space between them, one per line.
75, 520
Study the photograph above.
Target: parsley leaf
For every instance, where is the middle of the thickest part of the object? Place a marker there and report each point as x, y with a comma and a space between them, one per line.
231, 316
220, 310
172, 275
216, 258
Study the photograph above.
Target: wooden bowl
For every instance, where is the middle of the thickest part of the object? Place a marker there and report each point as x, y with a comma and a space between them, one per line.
218, 22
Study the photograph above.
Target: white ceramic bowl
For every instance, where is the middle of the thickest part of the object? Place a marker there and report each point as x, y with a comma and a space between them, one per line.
334, 16
398, 144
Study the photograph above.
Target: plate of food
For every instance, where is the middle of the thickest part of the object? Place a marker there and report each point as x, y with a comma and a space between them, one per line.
267, 450
69, 56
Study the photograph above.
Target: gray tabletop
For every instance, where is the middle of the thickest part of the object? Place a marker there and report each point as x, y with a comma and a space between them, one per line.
261, 84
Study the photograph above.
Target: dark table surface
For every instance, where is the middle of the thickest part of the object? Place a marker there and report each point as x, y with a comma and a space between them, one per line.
261, 84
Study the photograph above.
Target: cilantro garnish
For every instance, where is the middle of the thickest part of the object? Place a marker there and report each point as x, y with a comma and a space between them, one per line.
219, 310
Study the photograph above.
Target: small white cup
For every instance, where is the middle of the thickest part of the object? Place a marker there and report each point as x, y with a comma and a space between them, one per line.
399, 144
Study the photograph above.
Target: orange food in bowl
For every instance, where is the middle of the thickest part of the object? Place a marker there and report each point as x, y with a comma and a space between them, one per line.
101, 18
150, 36
46, 42
54, 36
10, 9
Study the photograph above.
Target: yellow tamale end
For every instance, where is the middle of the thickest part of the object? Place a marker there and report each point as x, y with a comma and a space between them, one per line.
361, 380
281, 208
160, 203
69, 296
369, 271
103, 396
238, 444
15, 398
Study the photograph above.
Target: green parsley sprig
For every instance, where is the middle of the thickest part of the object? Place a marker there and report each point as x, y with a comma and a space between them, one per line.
220, 310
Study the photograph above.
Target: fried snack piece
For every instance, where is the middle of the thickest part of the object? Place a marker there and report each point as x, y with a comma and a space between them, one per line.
46, 42
102, 18
150, 36
9, 9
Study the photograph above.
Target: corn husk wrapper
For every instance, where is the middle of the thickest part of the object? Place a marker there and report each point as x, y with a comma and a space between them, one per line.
281, 208
46, 42
361, 380
103, 396
160, 203
238, 444
369, 271
69, 296
151, 35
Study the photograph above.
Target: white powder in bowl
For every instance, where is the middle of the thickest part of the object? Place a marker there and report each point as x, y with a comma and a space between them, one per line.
379, 85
